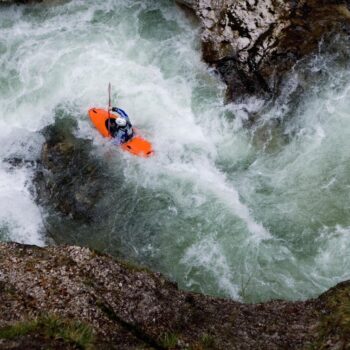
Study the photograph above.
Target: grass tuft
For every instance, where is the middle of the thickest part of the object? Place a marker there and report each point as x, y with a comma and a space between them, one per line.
208, 342
69, 331
169, 340
18, 329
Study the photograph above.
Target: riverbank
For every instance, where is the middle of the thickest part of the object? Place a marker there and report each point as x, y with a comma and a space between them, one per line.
72, 297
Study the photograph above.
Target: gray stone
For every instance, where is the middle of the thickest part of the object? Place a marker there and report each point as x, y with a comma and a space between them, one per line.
254, 43
132, 308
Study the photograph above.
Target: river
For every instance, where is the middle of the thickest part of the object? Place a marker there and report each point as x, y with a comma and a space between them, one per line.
247, 212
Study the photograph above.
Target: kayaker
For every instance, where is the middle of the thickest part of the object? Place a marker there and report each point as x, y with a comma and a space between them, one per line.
119, 127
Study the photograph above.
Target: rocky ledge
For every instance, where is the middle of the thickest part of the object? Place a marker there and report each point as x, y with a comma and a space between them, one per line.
70, 297
253, 43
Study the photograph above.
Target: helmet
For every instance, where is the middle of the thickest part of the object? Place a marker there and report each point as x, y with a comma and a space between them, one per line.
120, 122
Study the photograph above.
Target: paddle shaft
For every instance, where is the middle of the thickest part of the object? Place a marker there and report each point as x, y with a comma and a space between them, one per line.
109, 107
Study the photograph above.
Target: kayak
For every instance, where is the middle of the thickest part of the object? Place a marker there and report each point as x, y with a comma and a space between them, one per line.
137, 146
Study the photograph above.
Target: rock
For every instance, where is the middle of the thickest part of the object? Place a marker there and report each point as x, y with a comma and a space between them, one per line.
113, 305
10, 2
23, 1
254, 43
17, 162
70, 178
188, 3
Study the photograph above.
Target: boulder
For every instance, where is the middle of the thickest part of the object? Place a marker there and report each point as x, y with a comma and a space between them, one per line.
70, 178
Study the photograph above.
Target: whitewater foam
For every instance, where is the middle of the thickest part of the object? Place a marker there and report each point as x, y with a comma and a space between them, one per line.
220, 203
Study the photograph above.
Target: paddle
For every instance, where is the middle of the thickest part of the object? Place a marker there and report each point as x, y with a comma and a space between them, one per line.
109, 107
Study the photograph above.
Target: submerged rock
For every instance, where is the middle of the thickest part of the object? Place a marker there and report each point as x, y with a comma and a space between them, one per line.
253, 43
70, 178
83, 299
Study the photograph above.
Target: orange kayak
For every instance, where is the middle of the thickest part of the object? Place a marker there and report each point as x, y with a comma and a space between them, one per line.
137, 146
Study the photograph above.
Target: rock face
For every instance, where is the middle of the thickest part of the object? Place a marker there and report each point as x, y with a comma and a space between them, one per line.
88, 300
252, 43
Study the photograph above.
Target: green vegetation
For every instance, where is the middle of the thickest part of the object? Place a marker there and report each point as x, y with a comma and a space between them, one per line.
18, 329
334, 327
169, 340
208, 342
69, 331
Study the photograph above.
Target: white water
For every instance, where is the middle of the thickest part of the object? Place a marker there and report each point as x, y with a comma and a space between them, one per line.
247, 213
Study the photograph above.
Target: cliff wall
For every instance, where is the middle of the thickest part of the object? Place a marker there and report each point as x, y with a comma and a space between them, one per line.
253, 43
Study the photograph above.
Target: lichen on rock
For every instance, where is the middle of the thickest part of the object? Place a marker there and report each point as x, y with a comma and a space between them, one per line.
109, 304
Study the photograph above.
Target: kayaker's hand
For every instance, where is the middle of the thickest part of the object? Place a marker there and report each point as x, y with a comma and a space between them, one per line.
110, 109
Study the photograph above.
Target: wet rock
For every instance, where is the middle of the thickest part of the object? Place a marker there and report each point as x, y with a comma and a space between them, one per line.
254, 43
70, 178
127, 307
23, 1
188, 3
17, 162
10, 2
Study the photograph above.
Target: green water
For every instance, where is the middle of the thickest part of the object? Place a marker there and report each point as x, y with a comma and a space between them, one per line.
248, 213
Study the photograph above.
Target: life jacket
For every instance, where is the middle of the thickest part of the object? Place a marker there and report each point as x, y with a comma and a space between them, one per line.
125, 132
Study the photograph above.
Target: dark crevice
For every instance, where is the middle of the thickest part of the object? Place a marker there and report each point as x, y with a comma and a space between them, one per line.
129, 327
237, 25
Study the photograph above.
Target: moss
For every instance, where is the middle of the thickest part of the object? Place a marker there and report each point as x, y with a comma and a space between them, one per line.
69, 331
334, 326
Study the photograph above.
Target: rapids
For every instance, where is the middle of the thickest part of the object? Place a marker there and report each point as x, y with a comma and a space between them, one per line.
251, 213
